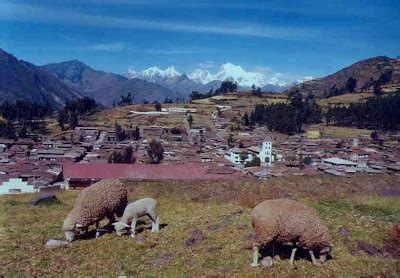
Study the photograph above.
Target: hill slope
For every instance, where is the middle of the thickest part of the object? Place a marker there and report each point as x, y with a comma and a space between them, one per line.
20, 80
104, 87
366, 73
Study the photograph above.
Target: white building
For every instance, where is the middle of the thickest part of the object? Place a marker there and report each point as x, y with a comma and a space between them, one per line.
264, 153
236, 156
16, 186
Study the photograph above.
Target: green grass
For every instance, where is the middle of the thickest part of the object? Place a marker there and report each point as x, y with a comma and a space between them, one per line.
225, 251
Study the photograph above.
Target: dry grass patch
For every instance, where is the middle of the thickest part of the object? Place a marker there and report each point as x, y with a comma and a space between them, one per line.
221, 211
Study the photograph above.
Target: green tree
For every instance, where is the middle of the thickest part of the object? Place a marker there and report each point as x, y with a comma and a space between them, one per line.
157, 106
226, 87
351, 84
190, 121
119, 132
125, 156
231, 141
155, 151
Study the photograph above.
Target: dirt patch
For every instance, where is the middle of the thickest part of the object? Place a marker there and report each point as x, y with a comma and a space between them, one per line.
195, 237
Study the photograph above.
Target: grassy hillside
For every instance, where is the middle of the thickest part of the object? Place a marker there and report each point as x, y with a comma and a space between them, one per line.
221, 211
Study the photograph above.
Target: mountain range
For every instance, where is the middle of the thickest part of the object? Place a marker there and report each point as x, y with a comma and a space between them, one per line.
53, 84
20, 80
366, 73
106, 88
202, 80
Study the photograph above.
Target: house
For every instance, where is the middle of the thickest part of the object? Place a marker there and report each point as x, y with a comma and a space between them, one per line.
179, 110
16, 186
238, 156
152, 132
50, 154
335, 161
88, 133
79, 175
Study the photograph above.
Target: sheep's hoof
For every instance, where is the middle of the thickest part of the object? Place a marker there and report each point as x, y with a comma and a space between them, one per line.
317, 264
133, 235
97, 234
255, 264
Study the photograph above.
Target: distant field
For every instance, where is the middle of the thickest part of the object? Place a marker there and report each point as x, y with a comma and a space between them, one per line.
221, 211
342, 132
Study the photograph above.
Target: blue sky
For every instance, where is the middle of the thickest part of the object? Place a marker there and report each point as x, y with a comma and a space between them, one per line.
296, 38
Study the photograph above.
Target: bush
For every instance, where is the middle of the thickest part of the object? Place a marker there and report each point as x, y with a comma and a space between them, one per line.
155, 151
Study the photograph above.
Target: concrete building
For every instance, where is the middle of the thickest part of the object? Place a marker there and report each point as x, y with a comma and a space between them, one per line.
16, 186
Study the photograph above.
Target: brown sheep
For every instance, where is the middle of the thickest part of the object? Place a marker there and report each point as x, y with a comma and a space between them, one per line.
284, 220
102, 199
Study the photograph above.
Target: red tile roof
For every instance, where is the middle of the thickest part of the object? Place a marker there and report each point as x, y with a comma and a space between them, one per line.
139, 171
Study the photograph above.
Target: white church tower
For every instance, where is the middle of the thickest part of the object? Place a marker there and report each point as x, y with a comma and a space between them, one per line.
266, 152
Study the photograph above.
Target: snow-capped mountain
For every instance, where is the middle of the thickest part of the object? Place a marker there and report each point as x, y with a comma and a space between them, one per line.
201, 76
203, 80
155, 74
227, 71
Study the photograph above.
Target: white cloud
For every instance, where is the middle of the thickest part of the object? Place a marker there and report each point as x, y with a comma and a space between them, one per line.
107, 46
206, 65
30, 13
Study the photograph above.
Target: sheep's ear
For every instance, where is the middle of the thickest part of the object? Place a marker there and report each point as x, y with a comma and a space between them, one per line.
115, 223
78, 225
126, 225
332, 245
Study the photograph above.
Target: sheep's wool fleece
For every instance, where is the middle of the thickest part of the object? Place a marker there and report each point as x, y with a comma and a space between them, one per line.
97, 201
288, 220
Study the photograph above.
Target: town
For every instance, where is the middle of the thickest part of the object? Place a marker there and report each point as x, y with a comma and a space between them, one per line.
205, 148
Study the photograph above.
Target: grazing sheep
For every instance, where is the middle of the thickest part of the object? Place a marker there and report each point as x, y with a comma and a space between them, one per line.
284, 220
94, 203
133, 211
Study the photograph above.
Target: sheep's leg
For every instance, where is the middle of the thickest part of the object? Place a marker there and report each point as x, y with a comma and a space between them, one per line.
292, 256
155, 222
111, 217
313, 259
97, 229
255, 255
133, 227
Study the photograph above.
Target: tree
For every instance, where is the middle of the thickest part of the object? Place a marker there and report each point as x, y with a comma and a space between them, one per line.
226, 87
125, 156
120, 133
351, 84
246, 120
307, 160
374, 135
136, 134
254, 162
73, 120
190, 121
155, 151
157, 106
126, 100
231, 141
23, 133
377, 89
256, 91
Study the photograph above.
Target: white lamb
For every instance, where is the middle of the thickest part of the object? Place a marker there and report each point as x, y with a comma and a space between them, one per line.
133, 211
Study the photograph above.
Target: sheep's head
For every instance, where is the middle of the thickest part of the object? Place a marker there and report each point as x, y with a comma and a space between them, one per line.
120, 228
71, 231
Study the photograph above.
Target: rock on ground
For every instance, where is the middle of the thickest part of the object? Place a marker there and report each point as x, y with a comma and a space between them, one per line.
267, 262
195, 237
54, 243
165, 259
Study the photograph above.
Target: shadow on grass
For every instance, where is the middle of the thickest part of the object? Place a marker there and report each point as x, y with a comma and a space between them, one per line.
284, 251
109, 229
